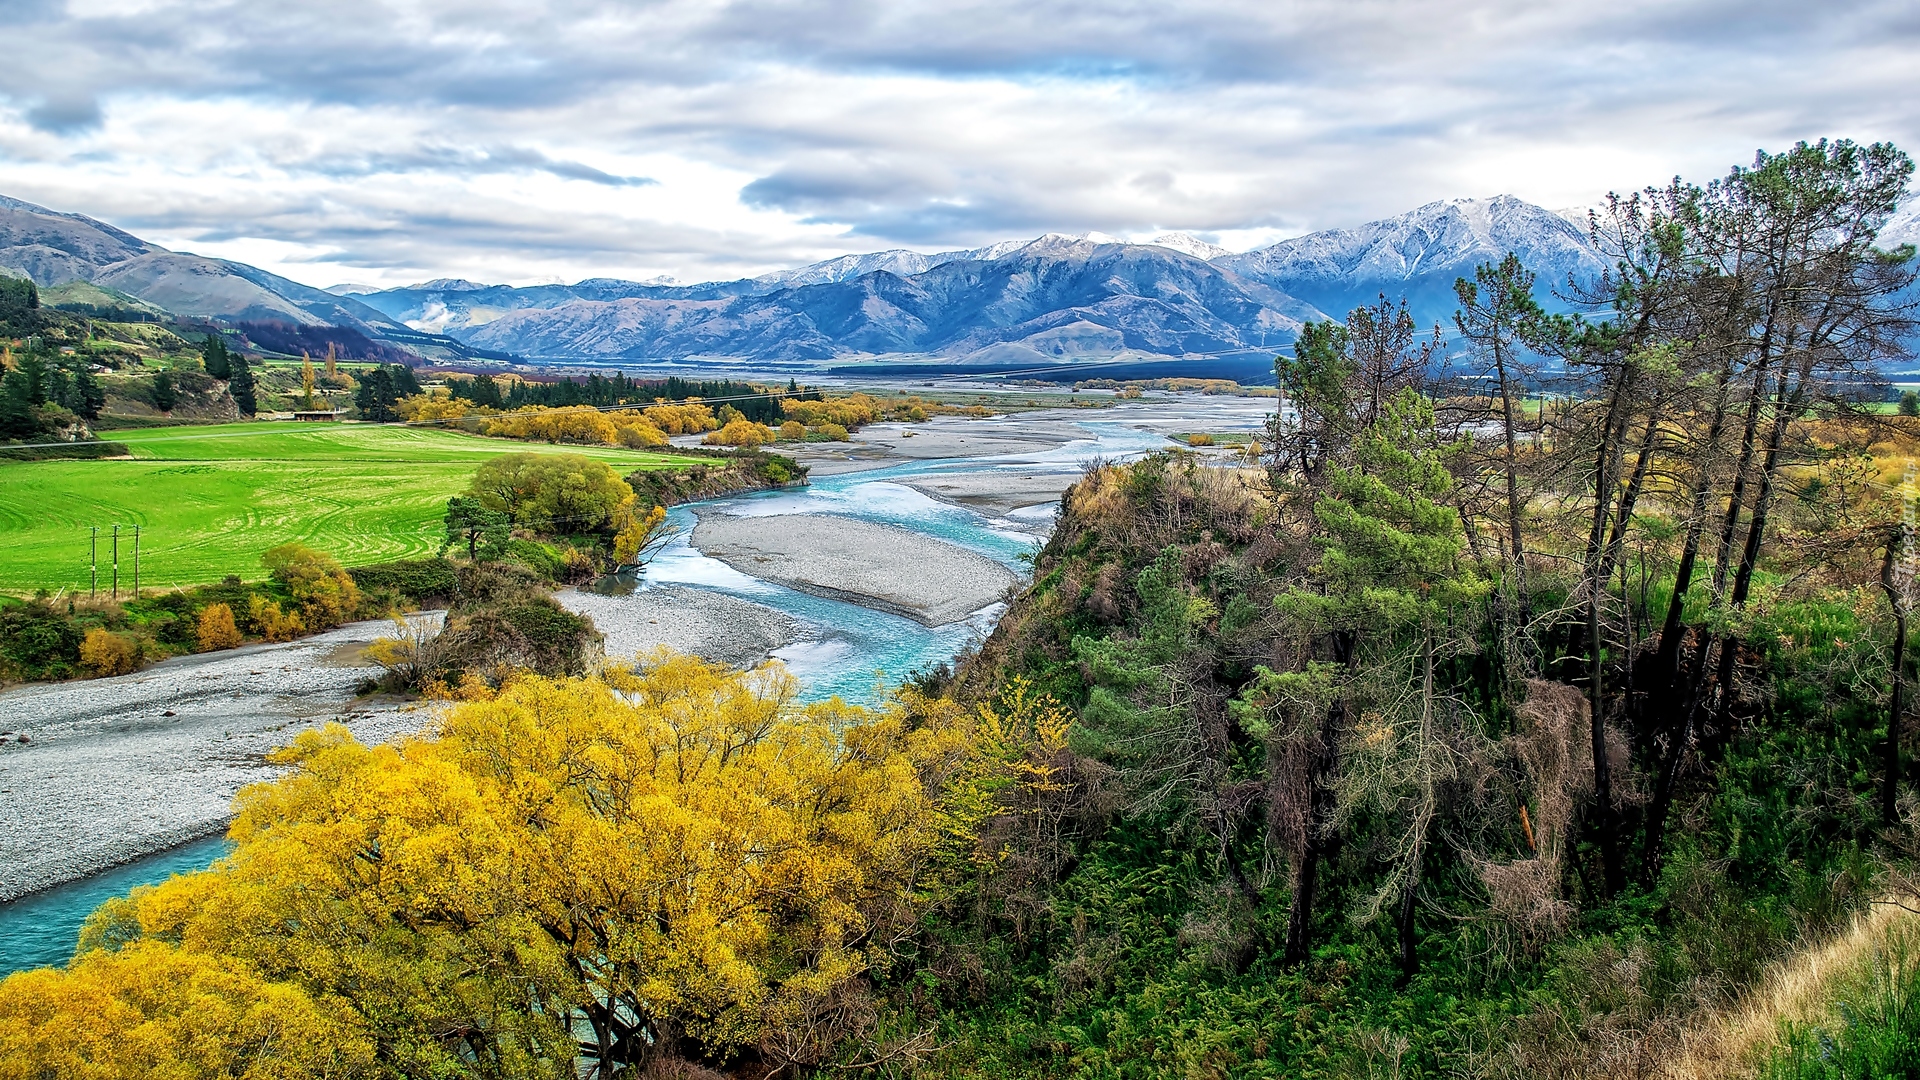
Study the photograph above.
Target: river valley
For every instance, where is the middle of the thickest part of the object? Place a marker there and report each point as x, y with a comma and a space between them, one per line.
125, 781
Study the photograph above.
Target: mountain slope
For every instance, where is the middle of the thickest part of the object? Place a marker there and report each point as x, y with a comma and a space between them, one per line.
1419, 254
54, 248
1055, 297
1051, 298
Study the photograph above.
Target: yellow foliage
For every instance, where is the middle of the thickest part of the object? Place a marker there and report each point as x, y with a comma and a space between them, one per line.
833, 431
577, 424
682, 841
637, 434
740, 432
104, 652
686, 418
573, 424
273, 623
852, 412
793, 431
152, 1010
639, 534
217, 630
326, 594
433, 405
1009, 767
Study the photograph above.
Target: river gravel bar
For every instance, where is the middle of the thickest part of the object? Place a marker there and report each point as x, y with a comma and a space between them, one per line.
876, 566
711, 625
114, 769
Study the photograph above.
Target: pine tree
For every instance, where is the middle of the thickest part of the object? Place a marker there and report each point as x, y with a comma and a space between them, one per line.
215, 356
16, 413
165, 396
240, 383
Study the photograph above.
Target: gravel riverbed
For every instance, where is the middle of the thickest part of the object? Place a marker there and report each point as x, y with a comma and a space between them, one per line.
711, 625
878, 566
98, 772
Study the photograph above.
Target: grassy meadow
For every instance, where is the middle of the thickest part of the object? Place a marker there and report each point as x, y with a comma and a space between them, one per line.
210, 499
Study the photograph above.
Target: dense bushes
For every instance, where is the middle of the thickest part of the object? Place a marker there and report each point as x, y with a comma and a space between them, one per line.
714, 474
305, 592
501, 619
423, 582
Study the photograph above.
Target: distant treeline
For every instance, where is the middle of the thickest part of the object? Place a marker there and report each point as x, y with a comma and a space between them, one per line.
348, 343
751, 399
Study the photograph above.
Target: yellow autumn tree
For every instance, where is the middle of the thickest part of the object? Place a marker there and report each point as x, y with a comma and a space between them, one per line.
673, 860
740, 432
216, 628
639, 534
326, 594
151, 1010
104, 652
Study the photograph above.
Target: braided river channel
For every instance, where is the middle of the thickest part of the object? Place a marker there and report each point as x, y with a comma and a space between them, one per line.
841, 648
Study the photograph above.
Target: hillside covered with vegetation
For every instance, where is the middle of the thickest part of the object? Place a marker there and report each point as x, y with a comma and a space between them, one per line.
1465, 734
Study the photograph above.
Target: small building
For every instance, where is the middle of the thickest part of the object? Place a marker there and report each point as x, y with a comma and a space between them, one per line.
319, 415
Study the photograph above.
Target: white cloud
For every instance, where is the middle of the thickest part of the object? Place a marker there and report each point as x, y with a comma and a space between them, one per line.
510, 141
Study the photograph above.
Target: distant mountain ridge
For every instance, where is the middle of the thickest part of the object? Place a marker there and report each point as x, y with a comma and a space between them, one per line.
1419, 254
1054, 298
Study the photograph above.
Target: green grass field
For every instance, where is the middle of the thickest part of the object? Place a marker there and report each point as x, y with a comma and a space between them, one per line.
209, 500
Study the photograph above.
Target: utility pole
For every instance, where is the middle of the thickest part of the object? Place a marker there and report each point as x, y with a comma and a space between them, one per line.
93, 564
116, 562
136, 562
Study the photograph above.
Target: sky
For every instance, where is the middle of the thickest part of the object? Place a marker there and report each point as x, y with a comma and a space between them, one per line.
536, 141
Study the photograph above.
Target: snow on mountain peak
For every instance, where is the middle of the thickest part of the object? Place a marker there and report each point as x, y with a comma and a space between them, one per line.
1189, 244
449, 284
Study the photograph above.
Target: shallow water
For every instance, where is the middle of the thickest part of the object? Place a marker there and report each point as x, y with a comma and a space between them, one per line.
41, 929
855, 653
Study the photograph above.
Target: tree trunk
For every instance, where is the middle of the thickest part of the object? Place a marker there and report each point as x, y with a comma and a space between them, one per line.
1668, 663
1630, 497
1320, 809
1515, 548
1890, 770
1606, 456
1319, 812
1423, 817
1785, 405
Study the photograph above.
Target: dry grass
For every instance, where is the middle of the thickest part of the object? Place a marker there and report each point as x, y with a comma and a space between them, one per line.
1734, 1042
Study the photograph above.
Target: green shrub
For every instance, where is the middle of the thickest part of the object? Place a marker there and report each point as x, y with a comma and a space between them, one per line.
421, 582
545, 560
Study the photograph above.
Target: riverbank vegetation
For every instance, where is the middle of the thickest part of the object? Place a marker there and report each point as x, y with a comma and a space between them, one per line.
1448, 739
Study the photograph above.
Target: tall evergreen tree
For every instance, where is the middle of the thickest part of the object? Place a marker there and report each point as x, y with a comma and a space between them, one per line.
16, 412
215, 357
165, 395
240, 384
85, 394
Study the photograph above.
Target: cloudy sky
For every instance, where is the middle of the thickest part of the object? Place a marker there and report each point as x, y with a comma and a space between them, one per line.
531, 141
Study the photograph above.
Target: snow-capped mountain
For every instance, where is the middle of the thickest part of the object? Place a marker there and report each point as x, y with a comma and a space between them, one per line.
1031, 299
1418, 255
1188, 244
1050, 299
1904, 226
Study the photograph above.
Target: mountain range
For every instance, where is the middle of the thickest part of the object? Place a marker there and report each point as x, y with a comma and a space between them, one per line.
1047, 300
